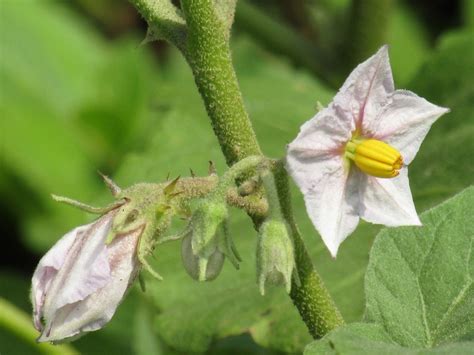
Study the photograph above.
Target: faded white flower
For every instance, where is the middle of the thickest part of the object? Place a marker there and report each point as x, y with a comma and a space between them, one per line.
79, 283
350, 160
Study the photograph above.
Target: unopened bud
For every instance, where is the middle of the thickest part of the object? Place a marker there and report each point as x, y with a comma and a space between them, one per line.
206, 220
202, 269
80, 282
275, 255
207, 244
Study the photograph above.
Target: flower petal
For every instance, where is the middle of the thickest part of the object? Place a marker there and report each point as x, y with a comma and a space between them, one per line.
96, 310
47, 269
365, 90
325, 133
405, 121
387, 201
85, 269
330, 194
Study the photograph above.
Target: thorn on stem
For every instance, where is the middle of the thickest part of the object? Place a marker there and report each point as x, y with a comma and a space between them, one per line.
171, 186
112, 186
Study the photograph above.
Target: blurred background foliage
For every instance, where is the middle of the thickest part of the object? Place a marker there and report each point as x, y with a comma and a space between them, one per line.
80, 93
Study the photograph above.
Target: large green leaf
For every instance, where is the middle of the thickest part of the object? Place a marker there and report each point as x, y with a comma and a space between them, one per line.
419, 282
371, 339
419, 289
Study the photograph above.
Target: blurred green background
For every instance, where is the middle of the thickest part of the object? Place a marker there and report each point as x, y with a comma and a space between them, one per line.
80, 92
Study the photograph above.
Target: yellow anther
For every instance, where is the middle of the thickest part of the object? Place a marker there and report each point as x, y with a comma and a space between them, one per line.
375, 157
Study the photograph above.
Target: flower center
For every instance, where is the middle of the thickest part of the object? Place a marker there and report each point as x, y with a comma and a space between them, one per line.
374, 157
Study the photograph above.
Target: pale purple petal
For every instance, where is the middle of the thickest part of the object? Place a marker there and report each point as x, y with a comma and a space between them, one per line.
85, 270
326, 133
405, 121
387, 201
330, 194
365, 90
96, 310
47, 269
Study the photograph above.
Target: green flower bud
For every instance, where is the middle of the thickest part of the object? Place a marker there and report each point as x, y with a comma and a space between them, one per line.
275, 255
205, 222
207, 243
202, 269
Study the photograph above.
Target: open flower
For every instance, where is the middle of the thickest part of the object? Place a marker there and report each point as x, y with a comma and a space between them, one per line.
350, 160
79, 283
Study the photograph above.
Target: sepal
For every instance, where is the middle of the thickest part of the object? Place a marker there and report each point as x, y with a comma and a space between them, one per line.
275, 255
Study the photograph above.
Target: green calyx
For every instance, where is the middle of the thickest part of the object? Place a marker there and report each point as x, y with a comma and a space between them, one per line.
275, 255
207, 241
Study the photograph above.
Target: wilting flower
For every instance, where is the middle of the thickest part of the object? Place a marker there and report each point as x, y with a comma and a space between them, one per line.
79, 283
350, 160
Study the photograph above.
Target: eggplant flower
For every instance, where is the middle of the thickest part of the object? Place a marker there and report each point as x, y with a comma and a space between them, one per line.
79, 283
350, 160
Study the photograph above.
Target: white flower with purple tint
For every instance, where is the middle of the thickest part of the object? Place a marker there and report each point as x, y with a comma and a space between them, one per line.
79, 283
350, 160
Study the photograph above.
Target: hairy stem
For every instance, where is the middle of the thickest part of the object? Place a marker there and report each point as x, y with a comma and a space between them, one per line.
208, 54
309, 294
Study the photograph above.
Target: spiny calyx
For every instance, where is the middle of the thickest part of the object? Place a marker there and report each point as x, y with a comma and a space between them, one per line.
374, 157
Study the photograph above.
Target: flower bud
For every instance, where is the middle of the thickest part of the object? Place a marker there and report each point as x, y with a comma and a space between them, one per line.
275, 255
207, 243
202, 269
79, 283
205, 222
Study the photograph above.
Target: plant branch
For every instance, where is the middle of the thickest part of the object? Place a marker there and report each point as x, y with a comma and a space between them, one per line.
308, 293
208, 54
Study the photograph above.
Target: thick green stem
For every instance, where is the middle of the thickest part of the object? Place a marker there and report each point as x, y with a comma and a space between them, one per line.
309, 294
368, 27
208, 54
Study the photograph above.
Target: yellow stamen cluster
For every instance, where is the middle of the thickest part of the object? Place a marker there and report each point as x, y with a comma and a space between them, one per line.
374, 157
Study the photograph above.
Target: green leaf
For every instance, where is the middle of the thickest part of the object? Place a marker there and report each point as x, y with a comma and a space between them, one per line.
419, 281
371, 339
